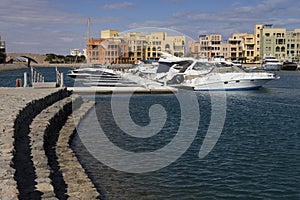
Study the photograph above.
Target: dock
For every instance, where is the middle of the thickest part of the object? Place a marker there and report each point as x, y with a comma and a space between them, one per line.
123, 90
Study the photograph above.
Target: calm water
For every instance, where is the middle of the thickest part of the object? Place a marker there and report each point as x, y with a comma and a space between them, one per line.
8, 79
256, 157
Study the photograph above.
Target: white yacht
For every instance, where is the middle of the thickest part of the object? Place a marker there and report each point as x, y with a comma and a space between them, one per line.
230, 78
204, 76
91, 72
271, 63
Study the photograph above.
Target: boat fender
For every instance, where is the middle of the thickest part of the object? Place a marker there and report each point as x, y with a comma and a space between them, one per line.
178, 79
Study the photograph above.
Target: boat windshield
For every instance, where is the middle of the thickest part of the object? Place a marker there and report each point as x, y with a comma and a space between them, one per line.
203, 66
179, 65
230, 69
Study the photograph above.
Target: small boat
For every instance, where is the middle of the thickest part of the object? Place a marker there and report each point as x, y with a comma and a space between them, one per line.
289, 66
270, 63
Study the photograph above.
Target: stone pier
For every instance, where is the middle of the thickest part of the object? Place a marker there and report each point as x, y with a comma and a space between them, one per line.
36, 126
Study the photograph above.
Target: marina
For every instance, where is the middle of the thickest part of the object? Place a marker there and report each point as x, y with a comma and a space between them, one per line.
259, 138
256, 156
99, 100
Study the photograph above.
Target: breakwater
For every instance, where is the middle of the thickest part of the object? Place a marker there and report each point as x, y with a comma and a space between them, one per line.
12, 67
36, 159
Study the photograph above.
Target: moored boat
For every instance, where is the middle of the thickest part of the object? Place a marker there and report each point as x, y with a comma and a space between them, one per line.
271, 63
231, 78
204, 76
289, 66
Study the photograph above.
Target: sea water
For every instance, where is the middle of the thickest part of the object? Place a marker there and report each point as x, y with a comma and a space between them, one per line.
257, 155
8, 79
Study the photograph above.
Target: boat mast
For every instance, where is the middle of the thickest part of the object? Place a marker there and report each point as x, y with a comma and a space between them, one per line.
89, 27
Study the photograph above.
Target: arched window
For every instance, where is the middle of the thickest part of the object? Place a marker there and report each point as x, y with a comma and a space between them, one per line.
282, 49
167, 47
153, 49
277, 49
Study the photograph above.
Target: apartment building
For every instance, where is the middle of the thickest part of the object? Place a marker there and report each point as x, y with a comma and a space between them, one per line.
105, 34
160, 41
293, 45
129, 47
107, 49
210, 44
273, 42
257, 33
242, 47
137, 45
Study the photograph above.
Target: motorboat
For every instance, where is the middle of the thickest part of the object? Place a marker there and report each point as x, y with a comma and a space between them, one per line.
230, 78
271, 63
203, 76
91, 72
287, 65
237, 63
99, 77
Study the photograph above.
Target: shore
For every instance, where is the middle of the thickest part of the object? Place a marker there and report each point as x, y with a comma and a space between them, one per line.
36, 160
19, 66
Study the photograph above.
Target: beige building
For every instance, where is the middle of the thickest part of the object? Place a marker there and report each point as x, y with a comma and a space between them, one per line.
110, 34
137, 45
242, 47
194, 49
273, 42
160, 41
293, 45
208, 46
110, 48
250, 48
257, 33
132, 46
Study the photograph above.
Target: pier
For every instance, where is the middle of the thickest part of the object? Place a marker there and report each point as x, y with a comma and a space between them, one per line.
37, 162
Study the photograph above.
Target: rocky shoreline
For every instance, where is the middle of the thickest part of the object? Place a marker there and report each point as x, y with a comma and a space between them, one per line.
36, 159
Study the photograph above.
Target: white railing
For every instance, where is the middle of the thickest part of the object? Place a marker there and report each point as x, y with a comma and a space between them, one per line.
59, 78
36, 76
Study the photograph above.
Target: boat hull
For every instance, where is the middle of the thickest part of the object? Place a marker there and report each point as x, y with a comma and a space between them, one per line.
271, 67
234, 81
231, 86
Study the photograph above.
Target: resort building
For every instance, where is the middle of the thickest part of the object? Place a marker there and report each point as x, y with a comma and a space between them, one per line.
105, 34
257, 33
293, 45
107, 50
160, 41
112, 47
242, 47
137, 45
273, 42
194, 49
250, 48
208, 46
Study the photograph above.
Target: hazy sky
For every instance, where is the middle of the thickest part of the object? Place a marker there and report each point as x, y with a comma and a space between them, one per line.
55, 26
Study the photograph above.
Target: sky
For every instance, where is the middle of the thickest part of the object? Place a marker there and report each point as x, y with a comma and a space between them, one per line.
56, 26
